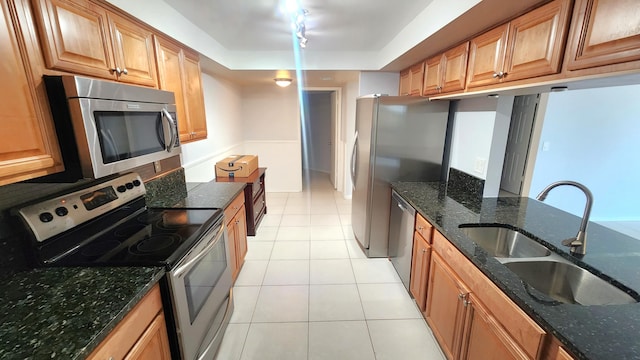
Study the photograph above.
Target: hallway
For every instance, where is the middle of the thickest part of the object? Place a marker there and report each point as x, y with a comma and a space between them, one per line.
306, 290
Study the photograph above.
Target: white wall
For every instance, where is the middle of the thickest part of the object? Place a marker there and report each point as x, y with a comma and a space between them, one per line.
379, 83
591, 136
481, 127
271, 128
223, 104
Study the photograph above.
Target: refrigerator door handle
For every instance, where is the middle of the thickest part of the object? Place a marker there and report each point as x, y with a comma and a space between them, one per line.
353, 161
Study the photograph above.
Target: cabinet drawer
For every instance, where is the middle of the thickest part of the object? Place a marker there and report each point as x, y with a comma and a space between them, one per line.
121, 339
258, 207
519, 325
424, 228
256, 188
231, 210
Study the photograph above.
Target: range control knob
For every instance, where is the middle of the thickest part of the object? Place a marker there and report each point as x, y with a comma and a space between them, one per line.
45, 217
121, 188
129, 185
136, 182
61, 211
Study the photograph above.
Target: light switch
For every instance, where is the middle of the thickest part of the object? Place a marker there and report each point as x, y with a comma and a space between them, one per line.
480, 165
546, 146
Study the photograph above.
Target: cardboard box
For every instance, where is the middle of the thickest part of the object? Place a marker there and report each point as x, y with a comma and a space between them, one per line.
237, 166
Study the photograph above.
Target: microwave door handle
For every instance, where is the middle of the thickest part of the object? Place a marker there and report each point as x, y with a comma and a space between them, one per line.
173, 129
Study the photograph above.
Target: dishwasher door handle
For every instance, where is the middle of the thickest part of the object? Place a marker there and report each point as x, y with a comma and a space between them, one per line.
402, 204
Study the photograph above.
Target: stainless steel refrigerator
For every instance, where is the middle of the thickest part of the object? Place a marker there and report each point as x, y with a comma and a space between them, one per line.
397, 138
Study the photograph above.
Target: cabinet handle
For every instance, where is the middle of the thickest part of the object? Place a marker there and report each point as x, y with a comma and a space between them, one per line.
424, 250
420, 228
116, 70
499, 74
466, 302
462, 296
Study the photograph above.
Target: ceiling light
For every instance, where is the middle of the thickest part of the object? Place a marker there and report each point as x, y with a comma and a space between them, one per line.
282, 82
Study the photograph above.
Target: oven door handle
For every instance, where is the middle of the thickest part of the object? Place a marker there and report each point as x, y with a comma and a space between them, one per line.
189, 264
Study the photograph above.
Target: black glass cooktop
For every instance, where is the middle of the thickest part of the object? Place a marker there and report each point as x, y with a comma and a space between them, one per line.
130, 236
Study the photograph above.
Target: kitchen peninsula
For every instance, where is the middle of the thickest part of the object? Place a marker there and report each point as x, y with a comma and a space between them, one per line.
589, 332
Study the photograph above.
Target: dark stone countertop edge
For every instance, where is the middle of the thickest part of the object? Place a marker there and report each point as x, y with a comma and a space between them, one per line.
106, 330
446, 213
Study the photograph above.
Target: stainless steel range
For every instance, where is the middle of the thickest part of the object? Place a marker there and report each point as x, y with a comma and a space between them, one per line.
109, 225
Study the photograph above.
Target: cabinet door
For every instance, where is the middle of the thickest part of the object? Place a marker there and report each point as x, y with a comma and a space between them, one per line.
133, 50
604, 32
232, 244
536, 41
432, 76
241, 236
153, 344
445, 308
170, 59
486, 57
194, 98
420, 270
405, 82
29, 148
563, 355
417, 78
75, 36
454, 63
484, 338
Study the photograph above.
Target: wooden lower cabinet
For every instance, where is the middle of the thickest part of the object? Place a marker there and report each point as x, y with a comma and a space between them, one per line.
445, 308
469, 316
235, 219
484, 338
420, 261
141, 335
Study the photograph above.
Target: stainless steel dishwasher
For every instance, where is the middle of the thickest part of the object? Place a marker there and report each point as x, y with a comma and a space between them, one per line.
401, 224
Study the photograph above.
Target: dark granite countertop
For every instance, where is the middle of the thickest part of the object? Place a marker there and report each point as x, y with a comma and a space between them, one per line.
64, 313
589, 332
211, 194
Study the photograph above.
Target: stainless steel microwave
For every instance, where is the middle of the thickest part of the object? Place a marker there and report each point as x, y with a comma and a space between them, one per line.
106, 127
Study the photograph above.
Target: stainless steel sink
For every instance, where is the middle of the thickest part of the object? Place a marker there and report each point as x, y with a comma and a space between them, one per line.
504, 243
568, 283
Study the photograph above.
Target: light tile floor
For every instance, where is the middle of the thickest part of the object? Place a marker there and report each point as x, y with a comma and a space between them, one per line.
306, 290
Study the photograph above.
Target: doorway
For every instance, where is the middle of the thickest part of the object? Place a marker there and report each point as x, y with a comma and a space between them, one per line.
518, 142
320, 131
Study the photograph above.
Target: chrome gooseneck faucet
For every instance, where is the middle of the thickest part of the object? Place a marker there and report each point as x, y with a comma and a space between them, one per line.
578, 244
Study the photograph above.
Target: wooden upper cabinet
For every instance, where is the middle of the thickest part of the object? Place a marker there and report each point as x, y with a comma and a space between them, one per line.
486, 57
179, 71
417, 77
29, 148
454, 68
81, 37
75, 37
133, 50
446, 72
170, 59
194, 96
405, 82
604, 32
529, 46
432, 76
537, 41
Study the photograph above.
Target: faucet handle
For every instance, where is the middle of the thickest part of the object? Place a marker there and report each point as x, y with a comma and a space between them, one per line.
571, 242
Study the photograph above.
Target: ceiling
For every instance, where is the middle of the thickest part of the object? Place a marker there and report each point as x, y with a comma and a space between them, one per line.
247, 41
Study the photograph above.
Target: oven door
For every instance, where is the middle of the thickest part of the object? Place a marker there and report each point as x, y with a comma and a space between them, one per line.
115, 136
201, 295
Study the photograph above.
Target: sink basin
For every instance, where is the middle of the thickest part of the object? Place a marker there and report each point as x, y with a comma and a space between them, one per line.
568, 283
505, 243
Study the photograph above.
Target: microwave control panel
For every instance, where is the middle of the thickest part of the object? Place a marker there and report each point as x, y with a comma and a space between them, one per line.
55, 216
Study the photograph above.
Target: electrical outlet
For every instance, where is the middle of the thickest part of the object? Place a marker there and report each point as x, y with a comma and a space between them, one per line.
546, 146
480, 165
157, 167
